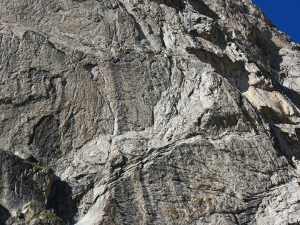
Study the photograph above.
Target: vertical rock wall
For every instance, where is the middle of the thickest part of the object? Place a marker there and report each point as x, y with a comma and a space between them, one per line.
147, 112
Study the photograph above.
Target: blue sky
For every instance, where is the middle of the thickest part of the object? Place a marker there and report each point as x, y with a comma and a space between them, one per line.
285, 15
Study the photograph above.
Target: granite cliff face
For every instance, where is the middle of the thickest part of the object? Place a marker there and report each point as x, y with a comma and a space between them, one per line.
147, 112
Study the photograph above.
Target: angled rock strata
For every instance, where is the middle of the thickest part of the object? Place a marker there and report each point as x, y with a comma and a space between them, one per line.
147, 112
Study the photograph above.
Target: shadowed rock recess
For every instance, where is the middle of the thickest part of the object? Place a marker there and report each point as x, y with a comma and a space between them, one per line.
147, 112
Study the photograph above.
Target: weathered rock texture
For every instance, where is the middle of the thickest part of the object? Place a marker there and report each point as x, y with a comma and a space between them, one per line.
147, 112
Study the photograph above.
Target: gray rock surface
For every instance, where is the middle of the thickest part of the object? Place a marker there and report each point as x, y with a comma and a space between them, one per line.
147, 112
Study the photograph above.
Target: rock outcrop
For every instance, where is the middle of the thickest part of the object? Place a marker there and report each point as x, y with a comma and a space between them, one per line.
147, 112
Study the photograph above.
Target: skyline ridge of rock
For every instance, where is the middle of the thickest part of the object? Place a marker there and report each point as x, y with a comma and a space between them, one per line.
147, 112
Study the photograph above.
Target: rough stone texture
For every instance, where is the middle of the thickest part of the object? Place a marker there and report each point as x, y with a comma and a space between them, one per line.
22, 182
148, 112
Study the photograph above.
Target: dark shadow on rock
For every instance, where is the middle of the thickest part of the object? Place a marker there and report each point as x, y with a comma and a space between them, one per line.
222, 64
45, 136
179, 5
284, 144
31, 159
202, 8
199, 5
60, 200
294, 96
4, 215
